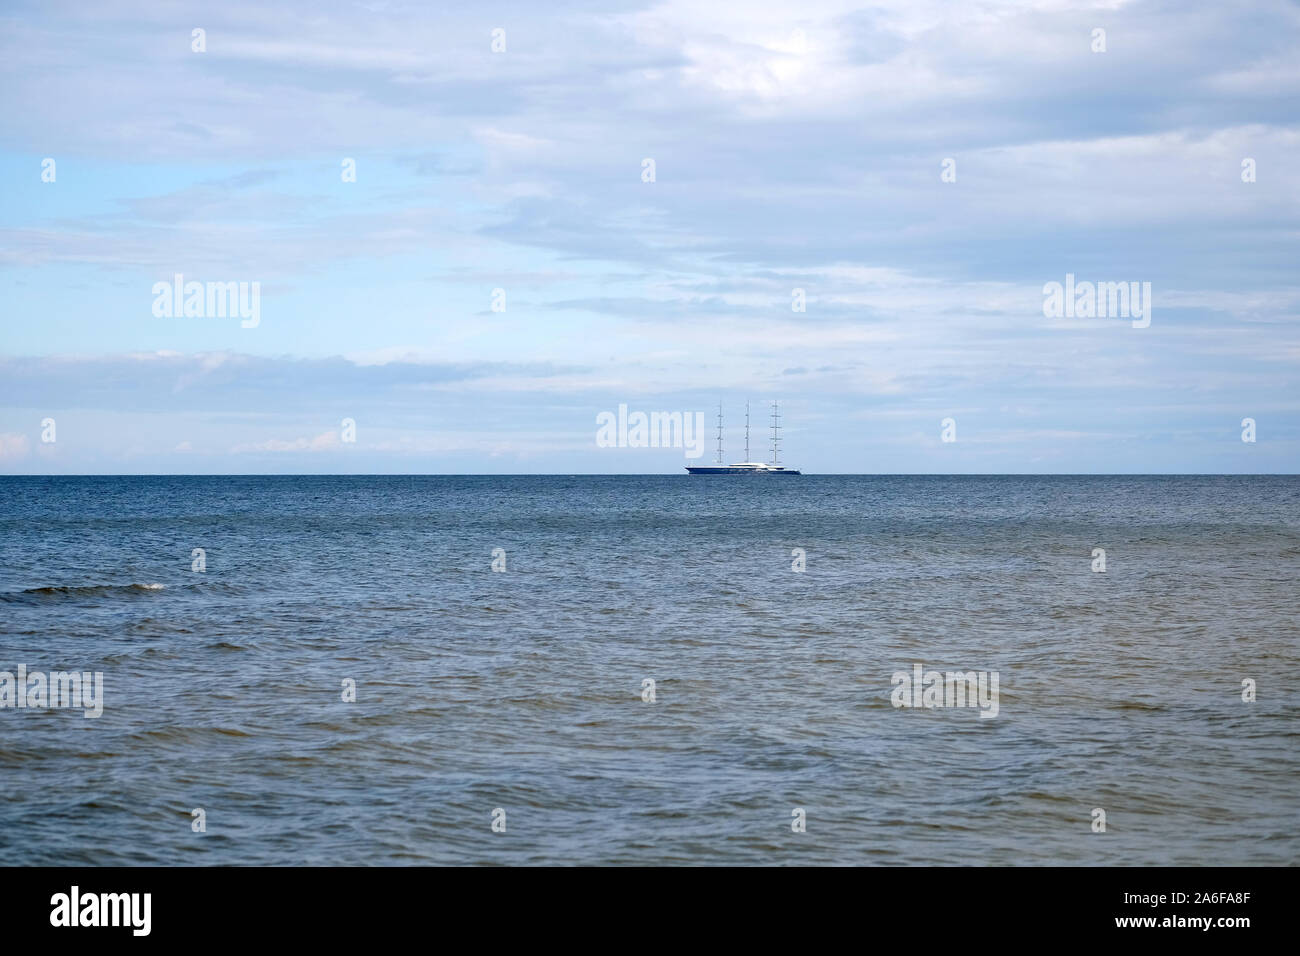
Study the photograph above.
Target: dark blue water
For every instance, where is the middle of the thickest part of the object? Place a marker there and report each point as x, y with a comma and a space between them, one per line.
522, 690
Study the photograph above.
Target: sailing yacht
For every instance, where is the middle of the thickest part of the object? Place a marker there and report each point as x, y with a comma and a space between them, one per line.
748, 467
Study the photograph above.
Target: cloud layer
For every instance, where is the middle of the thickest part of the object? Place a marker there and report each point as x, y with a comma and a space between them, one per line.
793, 149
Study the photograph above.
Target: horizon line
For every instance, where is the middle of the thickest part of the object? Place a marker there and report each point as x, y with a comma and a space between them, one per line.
657, 474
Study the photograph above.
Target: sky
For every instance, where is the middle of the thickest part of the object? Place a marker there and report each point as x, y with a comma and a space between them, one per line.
475, 228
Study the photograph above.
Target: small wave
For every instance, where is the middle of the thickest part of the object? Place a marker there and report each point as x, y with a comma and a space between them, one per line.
93, 590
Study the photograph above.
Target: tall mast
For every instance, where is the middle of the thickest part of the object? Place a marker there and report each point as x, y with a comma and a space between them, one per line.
747, 431
776, 434
719, 433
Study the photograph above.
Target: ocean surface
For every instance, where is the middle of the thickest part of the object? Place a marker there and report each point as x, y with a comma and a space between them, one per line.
522, 690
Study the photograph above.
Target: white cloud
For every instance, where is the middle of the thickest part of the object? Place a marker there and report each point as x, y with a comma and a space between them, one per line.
325, 441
